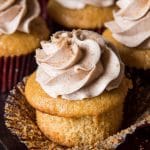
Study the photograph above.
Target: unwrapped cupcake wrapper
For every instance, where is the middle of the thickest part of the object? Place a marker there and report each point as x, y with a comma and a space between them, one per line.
13, 69
20, 119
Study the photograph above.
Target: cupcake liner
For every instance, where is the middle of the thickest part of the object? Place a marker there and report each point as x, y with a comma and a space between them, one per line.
20, 120
43, 4
13, 69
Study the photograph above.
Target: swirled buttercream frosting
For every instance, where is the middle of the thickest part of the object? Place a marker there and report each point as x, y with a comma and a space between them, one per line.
131, 25
80, 4
77, 65
17, 15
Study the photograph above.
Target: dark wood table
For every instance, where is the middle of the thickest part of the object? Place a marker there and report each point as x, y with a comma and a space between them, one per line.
7, 140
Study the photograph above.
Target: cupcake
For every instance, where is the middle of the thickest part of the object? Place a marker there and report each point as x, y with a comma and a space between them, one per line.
79, 88
21, 30
84, 14
130, 33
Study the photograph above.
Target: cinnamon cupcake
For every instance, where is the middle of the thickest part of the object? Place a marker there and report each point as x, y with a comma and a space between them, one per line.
21, 30
130, 33
79, 88
84, 14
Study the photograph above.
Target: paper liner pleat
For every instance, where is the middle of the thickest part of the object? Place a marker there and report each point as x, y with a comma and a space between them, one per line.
13, 69
43, 4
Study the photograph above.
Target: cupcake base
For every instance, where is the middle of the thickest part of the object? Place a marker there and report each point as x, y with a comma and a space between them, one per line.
13, 69
85, 130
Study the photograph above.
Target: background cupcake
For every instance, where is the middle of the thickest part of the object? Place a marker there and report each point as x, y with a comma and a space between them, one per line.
84, 14
130, 33
21, 30
79, 88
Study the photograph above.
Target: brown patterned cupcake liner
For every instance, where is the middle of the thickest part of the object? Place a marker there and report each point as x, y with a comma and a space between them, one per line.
20, 120
13, 69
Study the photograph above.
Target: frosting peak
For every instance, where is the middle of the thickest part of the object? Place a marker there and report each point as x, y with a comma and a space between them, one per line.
80, 4
17, 15
131, 25
77, 65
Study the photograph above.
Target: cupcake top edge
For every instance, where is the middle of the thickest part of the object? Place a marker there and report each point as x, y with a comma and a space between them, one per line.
78, 65
16, 15
80, 4
131, 25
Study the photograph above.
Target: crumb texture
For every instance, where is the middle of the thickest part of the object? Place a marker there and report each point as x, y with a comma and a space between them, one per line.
80, 131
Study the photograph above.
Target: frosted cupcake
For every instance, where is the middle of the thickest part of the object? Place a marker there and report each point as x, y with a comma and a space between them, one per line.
84, 14
130, 32
21, 30
79, 88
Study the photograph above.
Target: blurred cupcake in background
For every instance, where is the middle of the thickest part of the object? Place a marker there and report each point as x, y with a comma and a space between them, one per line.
130, 32
21, 30
84, 14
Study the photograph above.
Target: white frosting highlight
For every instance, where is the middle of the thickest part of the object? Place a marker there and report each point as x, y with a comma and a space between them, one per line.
80, 4
77, 65
17, 15
131, 25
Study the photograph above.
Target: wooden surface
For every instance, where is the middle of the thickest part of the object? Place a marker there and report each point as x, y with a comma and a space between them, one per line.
7, 140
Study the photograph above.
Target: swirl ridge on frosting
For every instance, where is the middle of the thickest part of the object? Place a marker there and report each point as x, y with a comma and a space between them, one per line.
80, 4
17, 15
131, 25
77, 65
